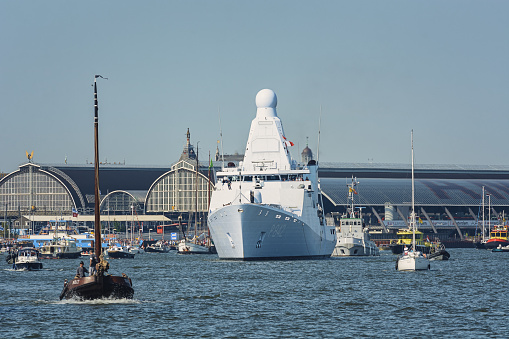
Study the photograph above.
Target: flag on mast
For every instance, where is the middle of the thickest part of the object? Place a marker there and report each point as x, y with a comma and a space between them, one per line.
287, 142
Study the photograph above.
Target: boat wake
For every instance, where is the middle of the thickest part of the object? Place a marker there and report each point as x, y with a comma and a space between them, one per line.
105, 301
26, 270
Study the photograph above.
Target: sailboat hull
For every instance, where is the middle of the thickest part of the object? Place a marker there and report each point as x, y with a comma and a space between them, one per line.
187, 247
412, 262
97, 287
262, 232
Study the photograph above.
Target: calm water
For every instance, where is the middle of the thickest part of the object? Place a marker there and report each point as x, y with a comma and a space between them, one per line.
202, 296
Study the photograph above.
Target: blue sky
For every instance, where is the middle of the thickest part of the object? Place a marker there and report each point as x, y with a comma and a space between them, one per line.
377, 68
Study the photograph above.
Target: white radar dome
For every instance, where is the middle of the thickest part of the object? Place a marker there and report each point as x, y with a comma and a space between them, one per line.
266, 98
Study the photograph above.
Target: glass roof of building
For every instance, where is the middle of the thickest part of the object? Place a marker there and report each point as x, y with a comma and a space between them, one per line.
428, 192
448, 167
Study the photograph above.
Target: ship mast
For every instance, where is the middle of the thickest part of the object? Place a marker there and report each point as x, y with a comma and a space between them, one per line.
97, 226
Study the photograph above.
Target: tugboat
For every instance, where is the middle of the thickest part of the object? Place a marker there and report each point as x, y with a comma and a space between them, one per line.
498, 237
100, 284
352, 237
405, 240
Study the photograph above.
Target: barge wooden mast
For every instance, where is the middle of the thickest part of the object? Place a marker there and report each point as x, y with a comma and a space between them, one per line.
97, 226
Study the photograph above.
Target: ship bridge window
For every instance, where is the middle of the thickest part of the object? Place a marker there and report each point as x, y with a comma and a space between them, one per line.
248, 178
273, 177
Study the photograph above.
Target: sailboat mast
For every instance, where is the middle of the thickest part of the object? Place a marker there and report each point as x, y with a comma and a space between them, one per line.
97, 226
412, 220
489, 213
196, 206
483, 208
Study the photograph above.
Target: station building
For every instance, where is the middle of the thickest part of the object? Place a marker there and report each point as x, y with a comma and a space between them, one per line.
448, 198
35, 194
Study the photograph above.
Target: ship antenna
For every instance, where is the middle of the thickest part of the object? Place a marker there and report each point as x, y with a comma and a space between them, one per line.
221, 134
319, 127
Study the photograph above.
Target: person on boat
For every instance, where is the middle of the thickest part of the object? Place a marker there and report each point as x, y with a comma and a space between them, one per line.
103, 266
93, 261
81, 271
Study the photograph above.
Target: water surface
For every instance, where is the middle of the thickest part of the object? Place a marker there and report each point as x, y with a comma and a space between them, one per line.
202, 296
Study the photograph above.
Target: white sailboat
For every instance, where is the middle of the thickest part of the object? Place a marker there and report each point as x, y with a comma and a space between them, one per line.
192, 247
412, 260
134, 245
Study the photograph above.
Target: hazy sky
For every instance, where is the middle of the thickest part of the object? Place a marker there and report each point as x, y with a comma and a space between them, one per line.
377, 68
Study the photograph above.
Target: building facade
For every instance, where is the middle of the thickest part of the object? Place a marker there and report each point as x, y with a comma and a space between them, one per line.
448, 197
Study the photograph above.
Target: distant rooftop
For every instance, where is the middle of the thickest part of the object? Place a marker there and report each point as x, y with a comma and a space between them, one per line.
447, 167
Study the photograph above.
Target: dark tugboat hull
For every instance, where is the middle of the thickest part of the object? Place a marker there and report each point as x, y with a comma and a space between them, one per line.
439, 255
67, 255
98, 287
494, 243
120, 255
